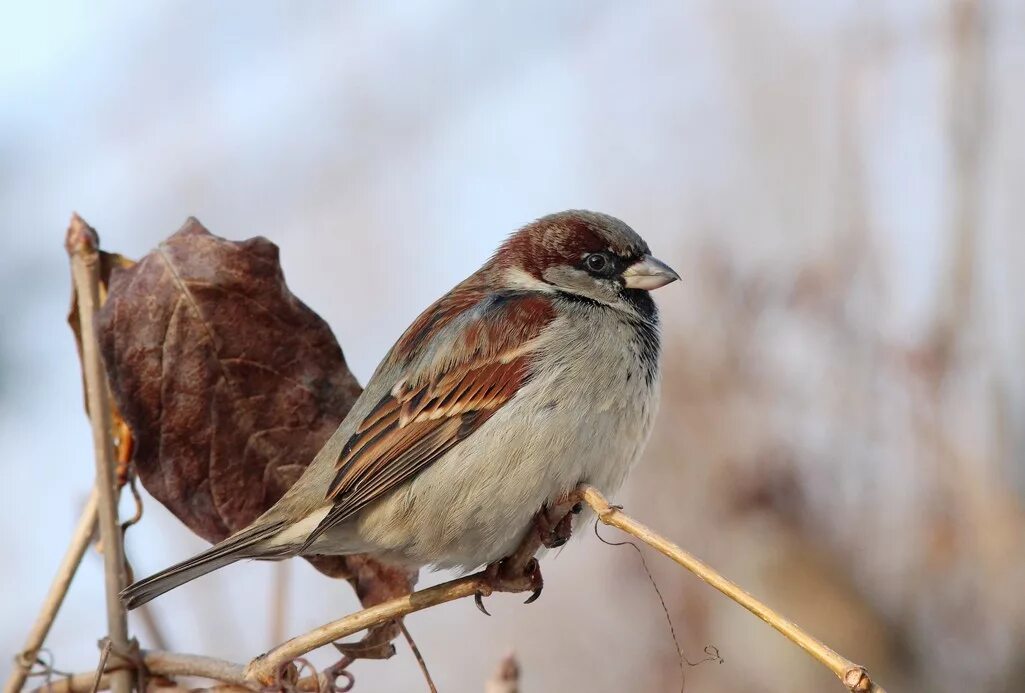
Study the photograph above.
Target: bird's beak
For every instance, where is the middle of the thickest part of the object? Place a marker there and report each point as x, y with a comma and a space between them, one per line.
648, 273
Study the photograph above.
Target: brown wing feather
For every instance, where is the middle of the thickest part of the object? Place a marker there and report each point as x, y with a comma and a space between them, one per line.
427, 414
425, 423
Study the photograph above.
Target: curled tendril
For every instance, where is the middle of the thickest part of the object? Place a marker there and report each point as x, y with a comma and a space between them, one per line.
44, 659
711, 655
711, 651
339, 670
137, 497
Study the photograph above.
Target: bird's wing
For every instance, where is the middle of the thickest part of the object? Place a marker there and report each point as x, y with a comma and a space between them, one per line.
461, 365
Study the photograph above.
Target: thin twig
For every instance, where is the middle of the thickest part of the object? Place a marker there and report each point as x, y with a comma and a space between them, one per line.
55, 597
419, 657
104, 654
83, 247
853, 676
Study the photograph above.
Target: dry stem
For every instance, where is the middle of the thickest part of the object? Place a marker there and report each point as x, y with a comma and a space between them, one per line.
853, 676
83, 248
164, 664
55, 597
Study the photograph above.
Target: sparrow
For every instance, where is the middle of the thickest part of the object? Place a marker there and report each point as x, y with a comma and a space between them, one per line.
537, 373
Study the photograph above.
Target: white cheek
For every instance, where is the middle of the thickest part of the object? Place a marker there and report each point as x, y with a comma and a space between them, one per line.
516, 278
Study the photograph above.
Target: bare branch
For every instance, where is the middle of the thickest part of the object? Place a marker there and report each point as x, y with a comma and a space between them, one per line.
167, 664
83, 247
104, 654
854, 676
55, 597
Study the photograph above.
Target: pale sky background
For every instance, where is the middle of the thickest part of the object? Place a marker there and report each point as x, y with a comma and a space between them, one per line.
387, 150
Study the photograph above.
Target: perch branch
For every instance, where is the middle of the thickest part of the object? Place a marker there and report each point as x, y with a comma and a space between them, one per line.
263, 670
853, 676
55, 597
83, 248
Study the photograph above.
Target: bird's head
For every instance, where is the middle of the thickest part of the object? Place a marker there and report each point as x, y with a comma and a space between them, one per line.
584, 255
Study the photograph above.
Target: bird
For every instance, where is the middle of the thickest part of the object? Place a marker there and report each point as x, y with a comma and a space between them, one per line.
537, 373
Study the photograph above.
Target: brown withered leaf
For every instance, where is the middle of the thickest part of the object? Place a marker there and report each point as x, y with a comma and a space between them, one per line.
374, 583
229, 383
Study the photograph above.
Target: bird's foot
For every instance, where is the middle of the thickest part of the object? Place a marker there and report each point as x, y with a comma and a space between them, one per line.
555, 531
502, 576
552, 528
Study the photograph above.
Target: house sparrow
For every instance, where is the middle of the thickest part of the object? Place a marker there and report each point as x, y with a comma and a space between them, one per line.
537, 373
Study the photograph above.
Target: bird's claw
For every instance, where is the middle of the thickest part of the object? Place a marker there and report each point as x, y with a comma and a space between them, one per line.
533, 572
492, 576
478, 599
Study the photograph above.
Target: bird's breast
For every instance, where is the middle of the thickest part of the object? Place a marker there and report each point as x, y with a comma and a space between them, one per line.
583, 416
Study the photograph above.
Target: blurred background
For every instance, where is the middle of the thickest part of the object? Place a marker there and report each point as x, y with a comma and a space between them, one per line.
843, 421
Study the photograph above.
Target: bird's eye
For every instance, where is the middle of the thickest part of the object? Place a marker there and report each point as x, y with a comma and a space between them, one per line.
597, 262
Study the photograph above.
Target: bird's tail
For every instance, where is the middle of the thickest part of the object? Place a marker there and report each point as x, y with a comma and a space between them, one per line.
234, 548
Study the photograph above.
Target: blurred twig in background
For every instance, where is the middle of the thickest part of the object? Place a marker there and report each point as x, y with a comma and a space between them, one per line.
506, 678
279, 600
77, 547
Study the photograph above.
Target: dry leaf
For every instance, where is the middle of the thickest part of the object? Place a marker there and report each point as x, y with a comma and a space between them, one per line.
230, 385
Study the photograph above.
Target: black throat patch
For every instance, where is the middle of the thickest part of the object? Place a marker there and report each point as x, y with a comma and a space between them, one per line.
645, 326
